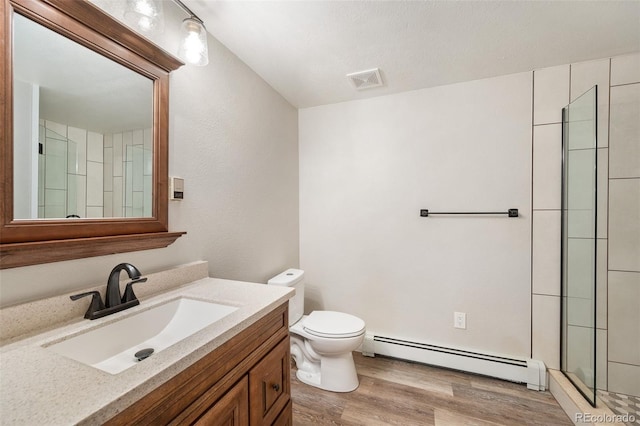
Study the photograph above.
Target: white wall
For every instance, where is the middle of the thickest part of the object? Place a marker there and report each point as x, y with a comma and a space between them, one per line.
25, 154
234, 141
366, 169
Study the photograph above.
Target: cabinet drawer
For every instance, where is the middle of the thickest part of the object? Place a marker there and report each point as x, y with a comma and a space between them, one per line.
231, 410
269, 385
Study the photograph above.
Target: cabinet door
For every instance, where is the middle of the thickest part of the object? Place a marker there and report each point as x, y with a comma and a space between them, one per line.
269, 385
286, 416
231, 410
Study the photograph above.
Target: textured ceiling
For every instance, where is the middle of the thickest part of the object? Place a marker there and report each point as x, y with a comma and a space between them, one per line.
304, 49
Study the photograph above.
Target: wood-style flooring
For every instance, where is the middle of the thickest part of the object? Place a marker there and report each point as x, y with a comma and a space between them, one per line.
394, 392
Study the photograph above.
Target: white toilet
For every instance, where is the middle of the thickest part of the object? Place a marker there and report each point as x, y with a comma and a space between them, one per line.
321, 342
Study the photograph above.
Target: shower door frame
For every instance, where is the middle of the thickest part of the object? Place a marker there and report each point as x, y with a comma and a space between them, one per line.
564, 209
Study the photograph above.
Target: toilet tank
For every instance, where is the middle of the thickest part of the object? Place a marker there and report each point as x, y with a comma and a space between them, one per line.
292, 278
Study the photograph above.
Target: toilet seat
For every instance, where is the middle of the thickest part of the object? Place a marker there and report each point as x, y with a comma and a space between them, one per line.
332, 324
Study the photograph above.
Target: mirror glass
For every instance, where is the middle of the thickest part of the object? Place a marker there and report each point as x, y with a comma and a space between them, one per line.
83, 130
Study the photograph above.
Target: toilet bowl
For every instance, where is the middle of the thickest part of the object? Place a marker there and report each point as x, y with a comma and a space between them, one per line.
321, 342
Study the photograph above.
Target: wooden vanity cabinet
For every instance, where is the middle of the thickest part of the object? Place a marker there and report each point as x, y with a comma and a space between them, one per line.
245, 381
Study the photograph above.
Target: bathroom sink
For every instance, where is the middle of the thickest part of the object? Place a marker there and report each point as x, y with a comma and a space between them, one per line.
113, 347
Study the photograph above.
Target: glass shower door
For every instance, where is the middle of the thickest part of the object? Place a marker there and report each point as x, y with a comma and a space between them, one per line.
579, 196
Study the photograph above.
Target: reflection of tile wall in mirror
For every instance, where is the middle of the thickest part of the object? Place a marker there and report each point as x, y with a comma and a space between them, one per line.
93, 175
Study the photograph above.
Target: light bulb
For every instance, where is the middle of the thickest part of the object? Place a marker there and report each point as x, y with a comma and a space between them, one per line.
145, 15
193, 46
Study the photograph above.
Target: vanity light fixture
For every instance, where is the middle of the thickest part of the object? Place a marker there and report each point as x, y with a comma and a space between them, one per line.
193, 44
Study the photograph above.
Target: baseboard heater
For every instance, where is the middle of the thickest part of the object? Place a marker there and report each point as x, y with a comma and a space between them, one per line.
529, 371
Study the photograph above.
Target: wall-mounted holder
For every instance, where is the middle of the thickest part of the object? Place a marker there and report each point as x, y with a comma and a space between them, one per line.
509, 213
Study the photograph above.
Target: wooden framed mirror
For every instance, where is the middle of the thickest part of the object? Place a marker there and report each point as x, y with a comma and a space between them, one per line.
84, 100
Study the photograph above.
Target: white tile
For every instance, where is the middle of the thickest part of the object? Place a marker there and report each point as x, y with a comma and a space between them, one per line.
580, 357
582, 127
95, 186
581, 196
580, 312
72, 155
623, 378
137, 137
601, 283
117, 154
546, 330
81, 194
624, 224
148, 162
41, 180
584, 76
148, 139
56, 164
625, 69
127, 138
128, 182
138, 204
601, 359
547, 166
79, 136
108, 140
55, 203
546, 252
581, 223
624, 317
550, 94
118, 197
94, 147
94, 212
138, 168
108, 169
72, 194
625, 131
581, 266
138, 201
602, 209
148, 195
108, 204
57, 128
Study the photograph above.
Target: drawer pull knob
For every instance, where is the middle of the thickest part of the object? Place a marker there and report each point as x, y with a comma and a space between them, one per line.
276, 387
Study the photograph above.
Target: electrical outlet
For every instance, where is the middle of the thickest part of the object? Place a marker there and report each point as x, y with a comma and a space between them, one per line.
460, 320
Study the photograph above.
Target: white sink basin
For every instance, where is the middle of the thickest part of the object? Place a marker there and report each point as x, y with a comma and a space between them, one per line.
111, 348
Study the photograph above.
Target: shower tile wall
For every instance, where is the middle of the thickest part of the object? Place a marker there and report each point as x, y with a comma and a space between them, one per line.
550, 95
128, 173
618, 236
624, 227
106, 175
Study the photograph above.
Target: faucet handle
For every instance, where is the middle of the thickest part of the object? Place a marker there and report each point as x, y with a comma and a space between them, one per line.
129, 295
95, 305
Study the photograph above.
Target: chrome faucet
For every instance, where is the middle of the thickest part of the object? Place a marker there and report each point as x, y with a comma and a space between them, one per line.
114, 301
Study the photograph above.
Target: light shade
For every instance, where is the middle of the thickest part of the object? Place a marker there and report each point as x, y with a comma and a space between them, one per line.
145, 15
193, 44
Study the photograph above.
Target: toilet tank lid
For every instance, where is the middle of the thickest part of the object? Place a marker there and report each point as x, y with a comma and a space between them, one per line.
287, 278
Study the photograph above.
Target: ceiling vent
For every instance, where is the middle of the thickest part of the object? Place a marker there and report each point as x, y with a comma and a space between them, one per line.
365, 79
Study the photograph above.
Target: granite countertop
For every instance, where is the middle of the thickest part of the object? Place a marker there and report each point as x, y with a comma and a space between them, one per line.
39, 386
